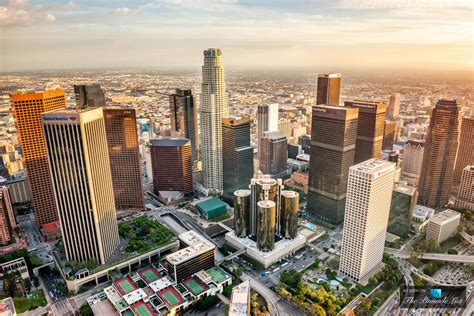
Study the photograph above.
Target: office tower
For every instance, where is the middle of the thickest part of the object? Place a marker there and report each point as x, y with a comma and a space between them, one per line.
266, 227
389, 134
370, 129
393, 106
27, 109
294, 151
90, 95
333, 140
305, 142
284, 126
413, 158
172, 165
465, 198
369, 192
329, 88
198, 255
213, 109
289, 214
443, 225
267, 119
240, 300
262, 188
122, 140
76, 142
273, 148
237, 154
184, 118
401, 210
7, 217
242, 213
465, 156
440, 154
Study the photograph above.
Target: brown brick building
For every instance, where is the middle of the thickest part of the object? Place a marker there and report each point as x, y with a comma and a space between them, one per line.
7, 217
122, 141
27, 109
171, 161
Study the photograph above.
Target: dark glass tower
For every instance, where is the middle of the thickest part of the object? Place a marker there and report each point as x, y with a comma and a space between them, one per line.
329, 88
90, 95
333, 142
237, 154
370, 129
183, 116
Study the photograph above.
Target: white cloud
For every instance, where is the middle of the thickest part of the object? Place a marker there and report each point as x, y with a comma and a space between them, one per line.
20, 12
122, 11
398, 4
50, 17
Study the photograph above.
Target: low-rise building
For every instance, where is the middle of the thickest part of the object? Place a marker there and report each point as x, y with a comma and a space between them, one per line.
240, 300
443, 225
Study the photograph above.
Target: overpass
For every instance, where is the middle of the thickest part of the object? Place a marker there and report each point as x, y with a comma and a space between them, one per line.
467, 237
232, 255
432, 256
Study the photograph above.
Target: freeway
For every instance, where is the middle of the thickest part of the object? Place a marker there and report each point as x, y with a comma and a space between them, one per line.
432, 256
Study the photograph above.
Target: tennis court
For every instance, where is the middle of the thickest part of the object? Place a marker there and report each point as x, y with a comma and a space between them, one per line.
125, 285
141, 309
170, 296
194, 286
150, 275
217, 275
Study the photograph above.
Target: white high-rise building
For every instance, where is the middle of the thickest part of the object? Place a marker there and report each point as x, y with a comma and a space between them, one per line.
267, 120
214, 106
369, 192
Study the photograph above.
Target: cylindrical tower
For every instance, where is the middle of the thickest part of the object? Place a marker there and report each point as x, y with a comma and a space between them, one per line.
266, 225
242, 213
289, 214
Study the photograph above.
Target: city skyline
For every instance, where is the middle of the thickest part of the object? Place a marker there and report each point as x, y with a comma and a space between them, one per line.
371, 34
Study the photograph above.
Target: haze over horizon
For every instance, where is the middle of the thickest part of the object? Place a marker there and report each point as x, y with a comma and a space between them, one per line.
390, 34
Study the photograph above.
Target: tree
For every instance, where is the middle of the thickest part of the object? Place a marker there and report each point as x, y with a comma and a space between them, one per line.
318, 310
86, 310
9, 281
364, 306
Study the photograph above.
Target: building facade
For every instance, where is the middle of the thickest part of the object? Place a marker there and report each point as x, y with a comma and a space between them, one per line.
7, 217
329, 89
465, 156
369, 192
266, 227
273, 148
370, 129
171, 161
413, 159
443, 225
237, 154
124, 155
401, 210
333, 141
465, 198
90, 95
389, 134
27, 110
214, 106
393, 106
76, 143
440, 154
184, 118
267, 120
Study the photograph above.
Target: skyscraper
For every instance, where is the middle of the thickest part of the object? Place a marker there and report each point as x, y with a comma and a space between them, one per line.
465, 197
267, 121
80, 168
401, 210
273, 150
465, 155
329, 88
7, 217
412, 159
237, 154
122, 140
393, 106
333, 141
184, 118
440, 154
172, 165
389, 134
27, 109
370, 129
369, 192
90, 95
213, 108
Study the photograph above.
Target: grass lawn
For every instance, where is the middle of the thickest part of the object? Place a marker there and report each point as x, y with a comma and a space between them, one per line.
24, 304
449, 243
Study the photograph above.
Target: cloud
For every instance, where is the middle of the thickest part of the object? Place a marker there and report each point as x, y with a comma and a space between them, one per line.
122, 11
20, 12
398, 4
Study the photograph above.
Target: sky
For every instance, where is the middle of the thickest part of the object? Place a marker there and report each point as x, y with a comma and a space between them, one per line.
167, 34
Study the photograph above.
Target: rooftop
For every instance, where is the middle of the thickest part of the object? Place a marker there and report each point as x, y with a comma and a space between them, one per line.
405, 189
444, 217
210, 204
374, 167
169, 142
197, 245
217, 275
7, 308
240, 298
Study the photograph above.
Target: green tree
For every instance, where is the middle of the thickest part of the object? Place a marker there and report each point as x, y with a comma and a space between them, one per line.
364, 306
86, 310
318, 310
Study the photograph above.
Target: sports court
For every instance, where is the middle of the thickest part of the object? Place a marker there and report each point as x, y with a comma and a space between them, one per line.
150, 275
125, 285
194, 286
217, 275
170, 296
141, 309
